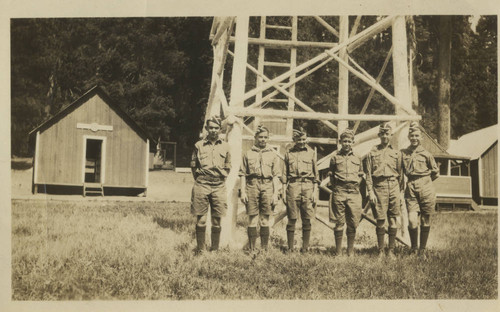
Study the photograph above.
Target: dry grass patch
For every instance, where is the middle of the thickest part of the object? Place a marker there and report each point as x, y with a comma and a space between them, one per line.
133, 250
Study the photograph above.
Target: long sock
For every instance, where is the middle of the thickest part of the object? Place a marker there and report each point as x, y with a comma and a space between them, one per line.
413, 238
392, 238
264, 237
380, 237
306, 233
252, 237
200, 237
215, 237
351, 234
290, 235
338, 240
424, 235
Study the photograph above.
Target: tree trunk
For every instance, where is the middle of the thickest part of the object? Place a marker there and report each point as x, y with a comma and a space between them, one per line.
444, 80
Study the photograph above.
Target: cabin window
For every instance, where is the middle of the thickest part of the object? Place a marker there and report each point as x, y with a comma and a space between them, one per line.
459, 167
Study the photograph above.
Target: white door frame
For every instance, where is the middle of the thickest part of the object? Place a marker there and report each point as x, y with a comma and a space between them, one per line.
103, 156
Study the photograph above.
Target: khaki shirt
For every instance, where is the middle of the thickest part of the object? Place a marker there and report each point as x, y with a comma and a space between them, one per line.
260, 163
345, 167
383, 162
300, 163
419, 162
211, 160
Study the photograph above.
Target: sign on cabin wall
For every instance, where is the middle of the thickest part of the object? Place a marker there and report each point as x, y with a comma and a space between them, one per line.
94, 127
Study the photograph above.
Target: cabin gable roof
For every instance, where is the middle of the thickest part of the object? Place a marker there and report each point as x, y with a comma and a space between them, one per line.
96, 90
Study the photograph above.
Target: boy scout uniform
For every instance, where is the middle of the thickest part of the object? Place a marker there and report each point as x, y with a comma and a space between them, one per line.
259, 166
300, 172
346, 172
212, 163
383, 177
421, 169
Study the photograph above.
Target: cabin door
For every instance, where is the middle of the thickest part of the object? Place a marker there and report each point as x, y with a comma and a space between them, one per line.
93, 160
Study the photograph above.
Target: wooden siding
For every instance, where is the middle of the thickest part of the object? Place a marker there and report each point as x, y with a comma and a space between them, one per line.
453, 186
489, 172
61, 148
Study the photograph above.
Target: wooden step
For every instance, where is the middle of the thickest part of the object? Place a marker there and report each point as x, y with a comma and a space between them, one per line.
93, 188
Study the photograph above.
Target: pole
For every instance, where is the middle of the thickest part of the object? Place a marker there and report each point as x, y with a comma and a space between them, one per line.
234, 135
343, 75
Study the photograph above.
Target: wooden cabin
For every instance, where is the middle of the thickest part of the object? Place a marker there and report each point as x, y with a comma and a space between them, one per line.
481, 147
92, 147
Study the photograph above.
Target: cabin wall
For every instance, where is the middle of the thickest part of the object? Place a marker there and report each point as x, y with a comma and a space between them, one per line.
489, 172
61, 148
453, 186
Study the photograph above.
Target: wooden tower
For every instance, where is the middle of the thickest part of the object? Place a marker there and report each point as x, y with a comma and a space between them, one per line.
281, 89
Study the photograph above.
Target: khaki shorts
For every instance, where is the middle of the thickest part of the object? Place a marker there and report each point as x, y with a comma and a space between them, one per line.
420, 195
260, 197
388, 198
299, 199
346, 206
205, 195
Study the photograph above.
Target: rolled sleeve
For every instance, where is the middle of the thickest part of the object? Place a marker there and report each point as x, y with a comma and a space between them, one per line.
433, 167
194, 157
227, 162
361, 172
315, 169
276, 171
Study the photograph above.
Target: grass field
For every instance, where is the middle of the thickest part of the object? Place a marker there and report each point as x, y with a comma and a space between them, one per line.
134, 250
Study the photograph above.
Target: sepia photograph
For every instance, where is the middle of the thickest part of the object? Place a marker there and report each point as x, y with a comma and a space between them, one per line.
265, 157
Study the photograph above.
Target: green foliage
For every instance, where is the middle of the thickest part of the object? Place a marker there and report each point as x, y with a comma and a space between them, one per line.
156, 69
99, 250
473, 88
159, 71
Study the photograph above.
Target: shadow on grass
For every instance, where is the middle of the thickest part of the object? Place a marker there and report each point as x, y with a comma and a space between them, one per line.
178, 225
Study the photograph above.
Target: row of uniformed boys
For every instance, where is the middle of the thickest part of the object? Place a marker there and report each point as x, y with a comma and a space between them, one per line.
260, 173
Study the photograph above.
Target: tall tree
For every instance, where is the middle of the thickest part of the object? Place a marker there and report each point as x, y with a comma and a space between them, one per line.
444, 64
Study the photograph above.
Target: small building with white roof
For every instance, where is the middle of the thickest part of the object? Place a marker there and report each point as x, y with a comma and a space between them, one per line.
482, 148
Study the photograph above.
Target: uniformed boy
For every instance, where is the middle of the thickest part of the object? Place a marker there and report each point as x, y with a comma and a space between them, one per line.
346, 173
259, 186
210, 165
421, 169
383, 179
300, 184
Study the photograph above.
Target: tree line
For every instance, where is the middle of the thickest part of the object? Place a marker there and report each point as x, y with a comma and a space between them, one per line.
159, 70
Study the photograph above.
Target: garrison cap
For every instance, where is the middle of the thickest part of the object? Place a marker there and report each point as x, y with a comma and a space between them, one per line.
297, 133
385, 128
414, 127
261, 129
348, 133
215, 119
